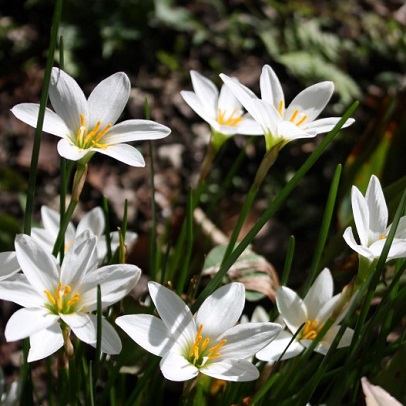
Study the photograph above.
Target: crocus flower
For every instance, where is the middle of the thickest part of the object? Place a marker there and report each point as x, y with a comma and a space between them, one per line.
221, 110
92, 221
58, 299
281, 124
208, 342
88, 126
371, 220
313, 311
8, 264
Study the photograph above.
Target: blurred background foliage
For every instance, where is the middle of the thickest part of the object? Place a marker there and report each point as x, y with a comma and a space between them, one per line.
359, 45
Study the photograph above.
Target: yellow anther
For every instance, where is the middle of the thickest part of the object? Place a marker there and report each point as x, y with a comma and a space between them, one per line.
280, 107
218, 346
232, 120
205, 343
50, 297
98, 145
73, 300
310, 330
302, 120
93, 132
294, 115
82, 120
383, 237
67, 289
108, 126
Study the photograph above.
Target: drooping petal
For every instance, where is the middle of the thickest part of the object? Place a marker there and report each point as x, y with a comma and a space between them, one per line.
361, 215
320, 292
17, 289
174, 313
147, 331
177, 368
111, 342
244, 340
324, 125
378, 211
9, 264
197, 106
115, 282
350, 240
108, 99
67, 99
53, 124
275, 349
271, 89
235, 370
291, 308
221, 310
135, 130
45, 342
27, 321
205, 90
68, 150
39, 266
81, 257
92, 221
124, 153
377, 396
311, 101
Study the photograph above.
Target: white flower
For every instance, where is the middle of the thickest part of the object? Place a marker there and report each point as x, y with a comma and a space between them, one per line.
56, 298
8, 264
371, 220
376, 396
313, 311
222, 111
208, 342
88, 126
92, 221
281, 124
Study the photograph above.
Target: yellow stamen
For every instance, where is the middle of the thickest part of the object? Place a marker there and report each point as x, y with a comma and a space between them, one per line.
82, 120
93, 132
205, 343
61, 301
383, 237
280, 107
302, 120
73, 300
294, 115
310, 330
231, 121
85, 139
108, 126
50, 297
218, 346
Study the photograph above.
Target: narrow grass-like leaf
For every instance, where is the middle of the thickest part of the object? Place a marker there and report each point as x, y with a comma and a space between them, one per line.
288, 261
107, 229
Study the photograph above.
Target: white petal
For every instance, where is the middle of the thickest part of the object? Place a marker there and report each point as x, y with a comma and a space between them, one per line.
39, 266
204, 111
274, 350
311, 101
350, 240
68, 150
266, 115
324, 125
377, 396
25, 322
124, 153
319, 294
67, 99
244, 340
43, 238
45, 342
115, 282
248, 126
53, 124
51, 220
325, 310
9, 264
228, 102
291, 308
135, 130
108, 99
17, 289
361, 215
85, 328
236, 370
147, 331
290, 131
176, 368
378, 211
205, 90
92, 221
400, 229
397, 249
221, 310
271, 89
174, 313
81, 258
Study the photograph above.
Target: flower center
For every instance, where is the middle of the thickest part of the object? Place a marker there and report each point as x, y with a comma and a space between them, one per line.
383, 237
62, 301
89, 138
232, 120
298, 118
201, 351
310, 330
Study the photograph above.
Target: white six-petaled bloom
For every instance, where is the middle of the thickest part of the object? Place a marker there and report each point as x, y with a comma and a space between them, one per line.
221, 110
88, 126
208, 342
371, 220
8, 264
92, 221
313, 311
55, 298
281, 124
